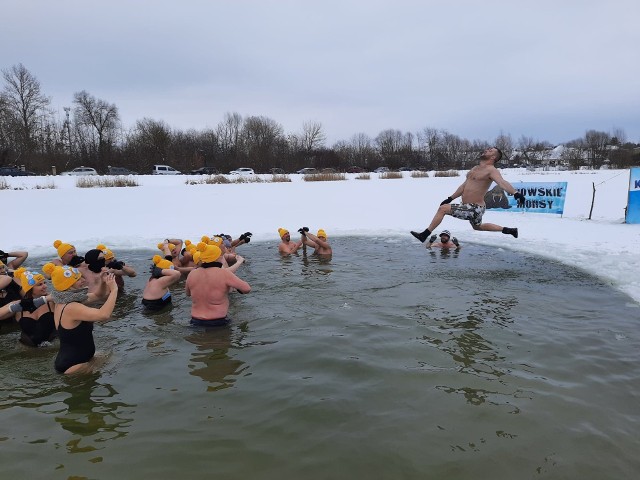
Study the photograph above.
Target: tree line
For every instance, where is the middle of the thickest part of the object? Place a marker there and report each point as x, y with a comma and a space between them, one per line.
91, 134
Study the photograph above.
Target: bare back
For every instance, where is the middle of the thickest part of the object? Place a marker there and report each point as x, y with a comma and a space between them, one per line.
209, 291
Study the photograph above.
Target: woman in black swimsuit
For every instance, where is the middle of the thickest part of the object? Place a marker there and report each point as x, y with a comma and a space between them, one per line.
74, 320
36, 324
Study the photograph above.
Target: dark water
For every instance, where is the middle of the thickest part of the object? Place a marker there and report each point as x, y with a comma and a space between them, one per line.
389, 361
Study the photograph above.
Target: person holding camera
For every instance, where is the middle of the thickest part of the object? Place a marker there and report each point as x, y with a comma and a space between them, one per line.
318, 242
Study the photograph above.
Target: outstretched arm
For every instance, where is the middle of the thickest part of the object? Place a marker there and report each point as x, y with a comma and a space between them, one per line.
317, 241
496, 177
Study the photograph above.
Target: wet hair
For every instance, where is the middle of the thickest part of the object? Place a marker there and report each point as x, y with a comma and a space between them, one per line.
499, 154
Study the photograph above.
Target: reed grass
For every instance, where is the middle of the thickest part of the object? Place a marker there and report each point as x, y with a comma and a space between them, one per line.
324, 177
390, 175
447, 173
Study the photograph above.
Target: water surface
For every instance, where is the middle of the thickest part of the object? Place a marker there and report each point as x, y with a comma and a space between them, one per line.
388, 361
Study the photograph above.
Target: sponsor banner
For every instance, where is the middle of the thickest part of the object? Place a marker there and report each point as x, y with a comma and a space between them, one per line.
541, 197
633, 204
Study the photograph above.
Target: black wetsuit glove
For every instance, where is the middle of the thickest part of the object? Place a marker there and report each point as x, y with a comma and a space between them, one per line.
520, 198
433, 238
447, 200
115, 265
302, 231
4, 256
156, 272
455, 241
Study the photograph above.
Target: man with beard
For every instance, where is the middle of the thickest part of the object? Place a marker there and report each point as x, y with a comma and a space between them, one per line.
287, 247
472, 191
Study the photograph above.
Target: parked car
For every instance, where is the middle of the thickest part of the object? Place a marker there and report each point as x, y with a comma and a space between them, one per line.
14, 172
242, 171
381, 170
406, 169
81, 171
164, 170
120, 171
355, 169
307, 171
204, 171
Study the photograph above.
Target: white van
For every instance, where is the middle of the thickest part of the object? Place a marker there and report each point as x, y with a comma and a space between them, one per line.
164, 170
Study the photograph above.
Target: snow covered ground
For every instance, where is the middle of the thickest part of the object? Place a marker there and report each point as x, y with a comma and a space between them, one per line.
165, 206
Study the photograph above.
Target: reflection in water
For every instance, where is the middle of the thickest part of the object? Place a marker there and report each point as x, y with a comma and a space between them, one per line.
211, 360
313, 264
90, 413
460, 337
444, 252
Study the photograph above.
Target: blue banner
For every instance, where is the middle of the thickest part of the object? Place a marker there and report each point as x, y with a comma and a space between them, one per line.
633, 204
541, 197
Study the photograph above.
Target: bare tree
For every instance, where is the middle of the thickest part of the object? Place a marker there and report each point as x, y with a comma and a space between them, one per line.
505, 143
101, 118
618, 136
261, 136
24, 101
596, 144
152, 142
229, 135
313, 136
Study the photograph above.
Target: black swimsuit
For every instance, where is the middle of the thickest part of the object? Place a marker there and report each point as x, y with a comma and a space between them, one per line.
76, 345
10, 293
157, 303
36, 331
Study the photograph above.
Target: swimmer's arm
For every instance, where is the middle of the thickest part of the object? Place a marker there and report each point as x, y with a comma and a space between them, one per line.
103, 290
240, 285
19, 259
177, 242
235, 266
496, 177
89, 314
5, 280
317, 241
307, 242
459, 191
81, 312
5, 312
169, 277
184, 269
128, 271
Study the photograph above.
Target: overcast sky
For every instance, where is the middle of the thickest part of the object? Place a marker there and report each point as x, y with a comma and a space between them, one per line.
545, 69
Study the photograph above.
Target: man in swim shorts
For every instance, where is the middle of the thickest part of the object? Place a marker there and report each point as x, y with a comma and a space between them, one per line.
209, 286
472, 191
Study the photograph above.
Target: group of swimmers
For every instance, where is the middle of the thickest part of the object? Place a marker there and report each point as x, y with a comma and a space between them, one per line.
85, 288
